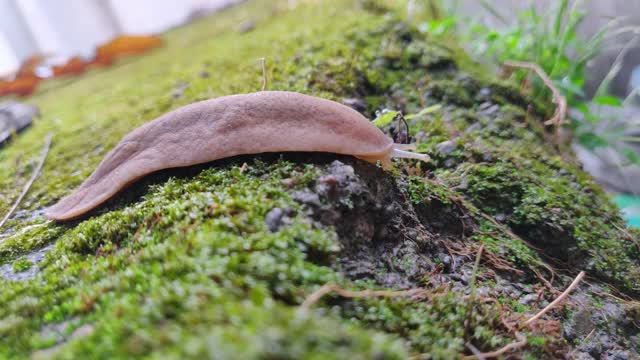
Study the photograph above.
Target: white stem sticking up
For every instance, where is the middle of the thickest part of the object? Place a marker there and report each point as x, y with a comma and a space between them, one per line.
264, 73
397, 153
34, 176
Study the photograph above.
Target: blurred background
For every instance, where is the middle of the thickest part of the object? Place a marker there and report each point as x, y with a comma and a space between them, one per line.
62, 29
66, 28
591, 50
622, 16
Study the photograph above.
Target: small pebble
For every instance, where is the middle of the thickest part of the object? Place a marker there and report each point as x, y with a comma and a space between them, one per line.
247, 26
446, 147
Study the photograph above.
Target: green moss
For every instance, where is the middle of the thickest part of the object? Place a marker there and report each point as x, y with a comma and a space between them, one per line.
551, 209
29, 238
176, 266
183, 264
503, 163
496, 187
421, 191
423, 323
182, 259
22, 264
449, 91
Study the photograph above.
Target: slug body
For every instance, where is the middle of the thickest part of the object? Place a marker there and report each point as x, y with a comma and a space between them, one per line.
267, 121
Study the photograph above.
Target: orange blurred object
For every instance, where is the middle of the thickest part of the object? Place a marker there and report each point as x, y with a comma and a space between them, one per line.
125, 45
29, 65
23, 86
75, 66
26, 81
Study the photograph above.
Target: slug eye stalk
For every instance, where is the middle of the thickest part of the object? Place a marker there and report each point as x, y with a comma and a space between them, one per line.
400, 151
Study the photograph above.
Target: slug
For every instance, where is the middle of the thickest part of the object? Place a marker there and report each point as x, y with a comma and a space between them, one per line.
262, 122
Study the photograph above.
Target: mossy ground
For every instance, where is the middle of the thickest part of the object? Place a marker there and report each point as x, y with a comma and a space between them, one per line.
184, 265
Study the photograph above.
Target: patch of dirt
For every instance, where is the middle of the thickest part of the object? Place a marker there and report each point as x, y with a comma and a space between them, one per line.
382, 235
602, 327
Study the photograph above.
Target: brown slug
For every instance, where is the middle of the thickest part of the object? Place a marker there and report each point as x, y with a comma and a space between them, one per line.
262, 122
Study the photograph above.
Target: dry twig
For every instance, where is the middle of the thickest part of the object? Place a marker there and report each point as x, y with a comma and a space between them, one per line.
472, 295
558, 300
514, 236
628, 235
475, 351
559, 116
493, 260
522, 342
27, 186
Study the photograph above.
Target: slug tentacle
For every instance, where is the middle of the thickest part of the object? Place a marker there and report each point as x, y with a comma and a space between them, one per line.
266, 121
399, 152
408, 147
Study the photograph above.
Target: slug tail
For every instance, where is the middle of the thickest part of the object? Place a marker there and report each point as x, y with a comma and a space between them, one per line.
66, 208
113, 173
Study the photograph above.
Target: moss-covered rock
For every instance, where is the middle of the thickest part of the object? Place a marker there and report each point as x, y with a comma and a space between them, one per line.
214, 260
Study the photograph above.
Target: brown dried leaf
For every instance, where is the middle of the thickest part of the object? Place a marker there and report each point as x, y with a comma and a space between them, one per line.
75, 66
22, 86
125, 45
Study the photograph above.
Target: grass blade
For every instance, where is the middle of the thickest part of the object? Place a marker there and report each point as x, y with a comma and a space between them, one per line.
493, 11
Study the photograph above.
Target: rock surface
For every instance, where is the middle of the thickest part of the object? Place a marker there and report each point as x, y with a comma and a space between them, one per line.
15, 117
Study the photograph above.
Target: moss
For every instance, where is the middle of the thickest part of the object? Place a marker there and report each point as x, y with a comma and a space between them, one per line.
184, 264
506, 167
496, 187
450, 92
421, 191
190, 249
423, 324
29, 238
551, 209
22, 264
